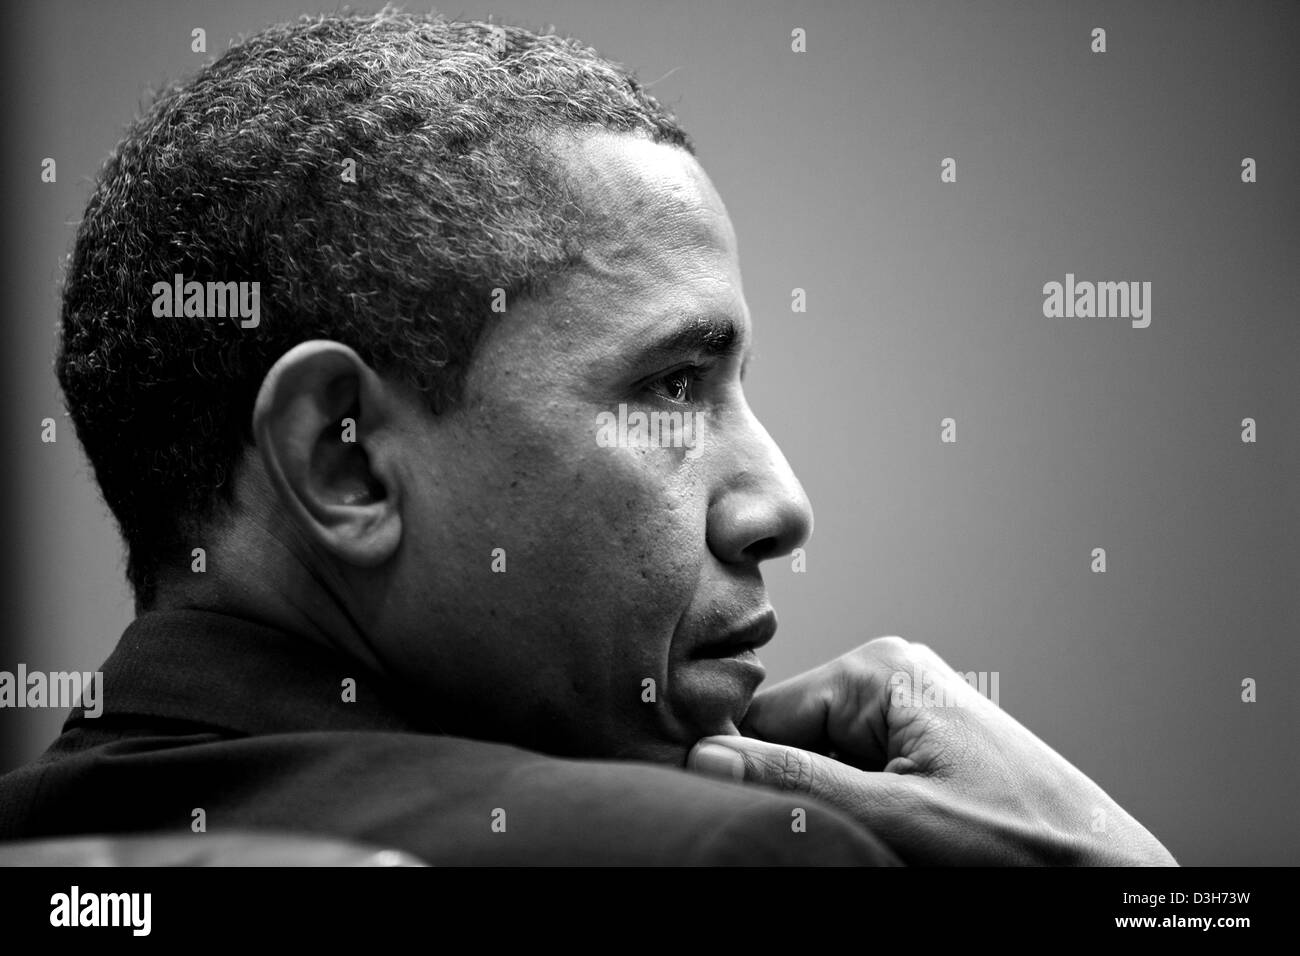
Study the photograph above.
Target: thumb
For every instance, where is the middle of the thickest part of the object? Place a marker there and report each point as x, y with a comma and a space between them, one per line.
897, 806
792, 769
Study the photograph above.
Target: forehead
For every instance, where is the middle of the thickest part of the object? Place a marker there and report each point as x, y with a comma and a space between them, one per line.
644, 197
658, 243
658, 249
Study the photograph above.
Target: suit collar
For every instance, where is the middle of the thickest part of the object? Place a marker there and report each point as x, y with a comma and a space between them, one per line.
216, 669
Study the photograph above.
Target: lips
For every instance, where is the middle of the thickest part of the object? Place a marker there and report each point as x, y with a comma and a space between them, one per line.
740, 641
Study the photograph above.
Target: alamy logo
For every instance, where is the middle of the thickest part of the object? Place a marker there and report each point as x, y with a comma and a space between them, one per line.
75, 908
1102, 300
59, 689
654, 430
926, 689
208, 300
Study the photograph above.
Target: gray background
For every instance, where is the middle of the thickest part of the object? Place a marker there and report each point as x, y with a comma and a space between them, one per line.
924, 301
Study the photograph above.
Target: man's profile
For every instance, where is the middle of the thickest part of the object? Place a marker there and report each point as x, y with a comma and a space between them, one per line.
391, 584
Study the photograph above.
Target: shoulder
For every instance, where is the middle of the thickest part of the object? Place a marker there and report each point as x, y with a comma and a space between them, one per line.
512, 806
448, 801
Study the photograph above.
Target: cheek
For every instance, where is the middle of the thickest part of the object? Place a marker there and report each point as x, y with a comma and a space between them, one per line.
602, 554
627, 519
602, 548
619, 532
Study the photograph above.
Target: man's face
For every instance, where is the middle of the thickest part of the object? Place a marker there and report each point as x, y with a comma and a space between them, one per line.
618, 616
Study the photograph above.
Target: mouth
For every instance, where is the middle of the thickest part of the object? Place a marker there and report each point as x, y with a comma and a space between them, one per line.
721, 673
740, 642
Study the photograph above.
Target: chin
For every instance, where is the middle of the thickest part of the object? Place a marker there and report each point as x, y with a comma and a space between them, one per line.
713, 695
663, 737
673, 749
656, 751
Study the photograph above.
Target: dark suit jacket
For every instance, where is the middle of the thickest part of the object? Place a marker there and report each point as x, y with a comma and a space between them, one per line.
212, 712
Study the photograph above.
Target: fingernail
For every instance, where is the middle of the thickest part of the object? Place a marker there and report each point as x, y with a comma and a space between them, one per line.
718, 761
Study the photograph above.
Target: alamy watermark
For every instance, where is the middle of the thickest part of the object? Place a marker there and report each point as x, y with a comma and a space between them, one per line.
1102, 300
638, 429
208, 300
75, 908
928, 689
60, 689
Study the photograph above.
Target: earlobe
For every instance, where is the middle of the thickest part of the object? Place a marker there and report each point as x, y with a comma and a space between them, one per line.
323, 422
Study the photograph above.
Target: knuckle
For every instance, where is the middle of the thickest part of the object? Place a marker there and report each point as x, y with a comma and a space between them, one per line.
914, 652
793, 770
872, 664
870, 656
889, 644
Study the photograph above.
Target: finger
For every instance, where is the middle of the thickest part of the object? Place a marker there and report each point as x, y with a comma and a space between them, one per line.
841, 707
793, 712
871, 798
919, 821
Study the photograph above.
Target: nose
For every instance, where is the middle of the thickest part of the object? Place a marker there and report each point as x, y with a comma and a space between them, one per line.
760, 510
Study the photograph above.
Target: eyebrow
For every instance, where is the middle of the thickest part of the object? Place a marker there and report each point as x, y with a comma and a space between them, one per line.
711, 336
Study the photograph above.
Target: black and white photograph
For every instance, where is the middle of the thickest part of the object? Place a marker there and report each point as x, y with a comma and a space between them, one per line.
578, 434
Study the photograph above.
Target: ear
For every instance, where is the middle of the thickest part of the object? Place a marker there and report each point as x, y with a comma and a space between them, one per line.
323, 423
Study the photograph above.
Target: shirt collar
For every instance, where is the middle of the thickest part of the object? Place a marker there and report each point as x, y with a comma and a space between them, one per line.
225, 671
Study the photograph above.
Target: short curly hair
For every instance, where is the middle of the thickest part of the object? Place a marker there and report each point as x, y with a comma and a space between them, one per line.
241, 174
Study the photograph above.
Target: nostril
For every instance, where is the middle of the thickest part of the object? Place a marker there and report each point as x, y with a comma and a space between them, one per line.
764, 549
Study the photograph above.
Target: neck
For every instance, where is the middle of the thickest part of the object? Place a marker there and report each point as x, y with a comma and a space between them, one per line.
260, 576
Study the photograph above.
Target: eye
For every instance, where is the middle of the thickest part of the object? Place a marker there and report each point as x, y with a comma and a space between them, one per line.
677, 386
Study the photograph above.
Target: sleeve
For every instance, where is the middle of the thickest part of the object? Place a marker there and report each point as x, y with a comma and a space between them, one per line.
789, 831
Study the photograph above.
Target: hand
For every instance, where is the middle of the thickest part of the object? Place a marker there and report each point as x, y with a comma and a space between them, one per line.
893, 736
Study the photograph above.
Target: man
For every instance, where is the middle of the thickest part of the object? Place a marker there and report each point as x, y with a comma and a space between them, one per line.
408, 356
